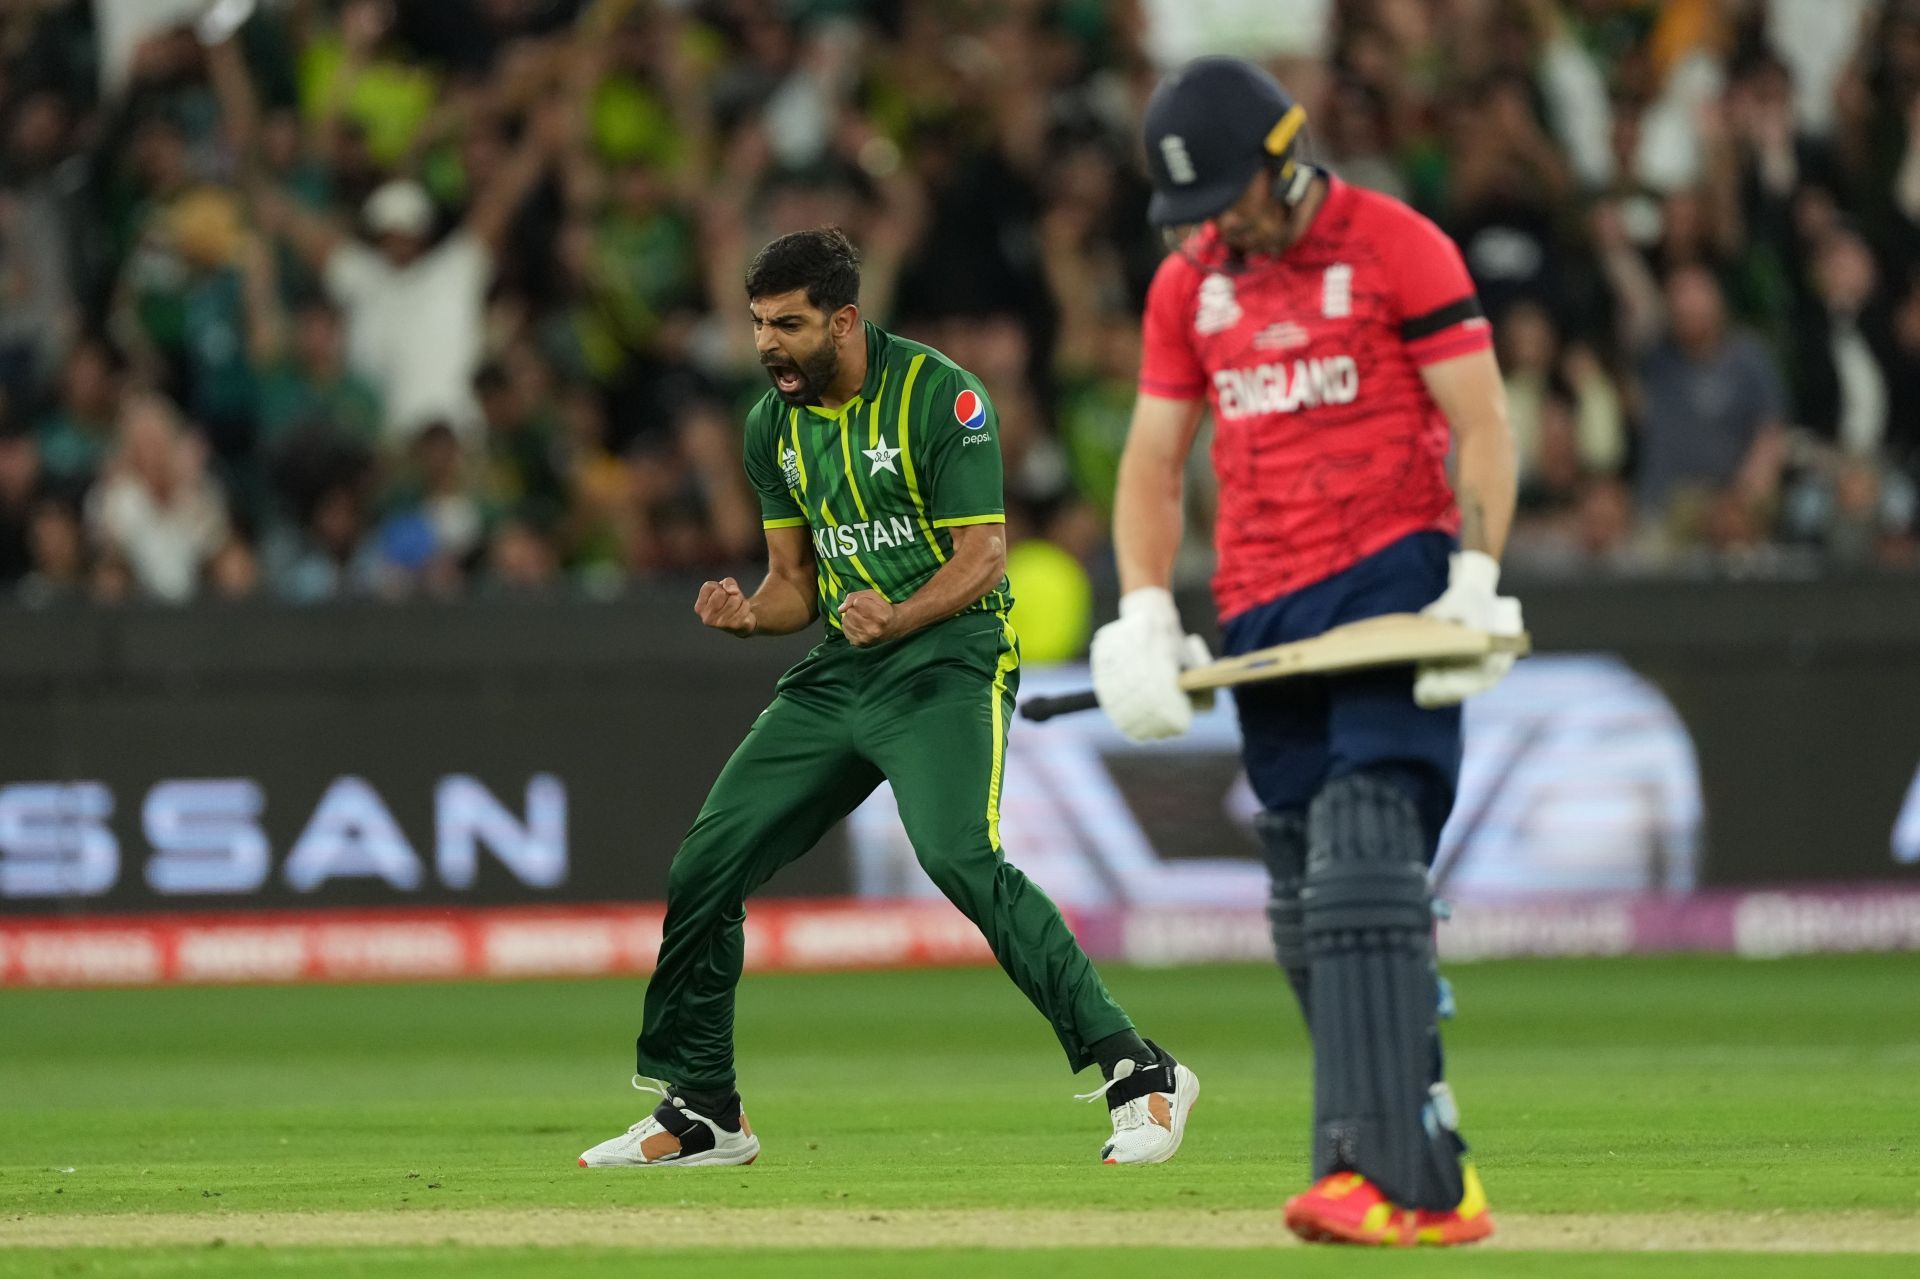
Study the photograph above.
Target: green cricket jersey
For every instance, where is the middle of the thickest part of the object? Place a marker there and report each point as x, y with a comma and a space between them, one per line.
881, 479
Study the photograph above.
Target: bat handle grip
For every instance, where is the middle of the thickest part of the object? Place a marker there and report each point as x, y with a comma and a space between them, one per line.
1045, 708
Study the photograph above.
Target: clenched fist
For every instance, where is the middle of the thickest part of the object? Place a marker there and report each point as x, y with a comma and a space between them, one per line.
724, 607
866, 618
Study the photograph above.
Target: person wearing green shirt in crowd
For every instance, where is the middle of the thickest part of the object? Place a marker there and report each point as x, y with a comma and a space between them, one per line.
637, 264
362, 76
75, 435
525, 451
202, 291
877, 464
310, 384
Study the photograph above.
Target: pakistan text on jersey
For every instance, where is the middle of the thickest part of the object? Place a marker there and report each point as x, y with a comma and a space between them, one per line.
839, 540
1287, 387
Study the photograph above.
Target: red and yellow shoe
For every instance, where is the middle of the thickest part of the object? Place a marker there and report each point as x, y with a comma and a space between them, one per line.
1344, 1207
1469, 1222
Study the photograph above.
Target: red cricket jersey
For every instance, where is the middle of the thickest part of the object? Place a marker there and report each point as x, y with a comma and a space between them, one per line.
1327, 445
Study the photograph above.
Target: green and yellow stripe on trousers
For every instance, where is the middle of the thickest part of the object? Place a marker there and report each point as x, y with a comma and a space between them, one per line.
1007, 663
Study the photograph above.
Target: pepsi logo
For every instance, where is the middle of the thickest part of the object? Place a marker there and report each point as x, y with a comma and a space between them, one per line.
970, 410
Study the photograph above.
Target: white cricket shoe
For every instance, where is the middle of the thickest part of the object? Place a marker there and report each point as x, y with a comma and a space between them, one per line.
675, 1135
1149, 1107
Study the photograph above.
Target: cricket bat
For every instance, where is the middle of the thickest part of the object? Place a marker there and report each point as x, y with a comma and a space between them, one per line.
1393, 639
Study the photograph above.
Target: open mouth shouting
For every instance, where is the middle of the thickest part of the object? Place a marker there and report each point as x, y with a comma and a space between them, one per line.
787, 379
803, 380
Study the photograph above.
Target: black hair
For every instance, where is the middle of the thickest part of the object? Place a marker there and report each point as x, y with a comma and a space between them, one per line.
822, 261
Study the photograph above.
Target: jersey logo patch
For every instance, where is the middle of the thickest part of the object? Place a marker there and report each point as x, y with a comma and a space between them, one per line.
790, 468
882, 457
1173, 149
970, 410
1219, 308
1336, 292
1283, 336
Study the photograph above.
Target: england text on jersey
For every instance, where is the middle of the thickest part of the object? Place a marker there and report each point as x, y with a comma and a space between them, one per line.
1286, 387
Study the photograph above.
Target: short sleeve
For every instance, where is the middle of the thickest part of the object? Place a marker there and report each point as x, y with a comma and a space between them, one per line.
1169, 366
765, 450
352, 272
1440, 316
961, 434
464, 264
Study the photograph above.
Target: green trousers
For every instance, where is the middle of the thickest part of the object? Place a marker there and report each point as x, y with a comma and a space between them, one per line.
928, 713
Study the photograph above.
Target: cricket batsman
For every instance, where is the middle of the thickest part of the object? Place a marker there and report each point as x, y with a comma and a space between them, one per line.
1336, 337
877, 464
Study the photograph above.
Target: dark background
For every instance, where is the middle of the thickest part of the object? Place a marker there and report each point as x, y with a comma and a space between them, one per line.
1801, 699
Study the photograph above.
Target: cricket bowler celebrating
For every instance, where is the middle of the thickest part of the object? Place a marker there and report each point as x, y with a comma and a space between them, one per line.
877, 463
1336, 336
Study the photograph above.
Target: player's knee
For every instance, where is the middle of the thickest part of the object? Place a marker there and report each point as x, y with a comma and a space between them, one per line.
1426, 779
683, 874
1365, 884
700, 867
957, 860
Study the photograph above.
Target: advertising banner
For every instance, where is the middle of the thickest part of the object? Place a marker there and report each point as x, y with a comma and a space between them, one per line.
1712, 784
250, 799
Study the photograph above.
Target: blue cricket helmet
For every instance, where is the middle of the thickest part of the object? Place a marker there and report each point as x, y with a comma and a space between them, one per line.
1210, 126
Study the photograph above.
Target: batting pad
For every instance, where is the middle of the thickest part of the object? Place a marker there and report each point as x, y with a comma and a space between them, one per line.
1367, 918
1283, 839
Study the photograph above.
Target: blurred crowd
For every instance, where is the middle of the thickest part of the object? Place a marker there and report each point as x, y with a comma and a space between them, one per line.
385, 298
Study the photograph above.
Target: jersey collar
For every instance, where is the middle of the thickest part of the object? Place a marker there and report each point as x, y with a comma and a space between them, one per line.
1331, 210
876, 360
877, 344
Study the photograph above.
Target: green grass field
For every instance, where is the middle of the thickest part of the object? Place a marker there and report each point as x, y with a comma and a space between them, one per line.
921, 1123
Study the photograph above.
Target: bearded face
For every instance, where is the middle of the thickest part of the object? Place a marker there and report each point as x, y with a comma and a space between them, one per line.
801, 374
799, 344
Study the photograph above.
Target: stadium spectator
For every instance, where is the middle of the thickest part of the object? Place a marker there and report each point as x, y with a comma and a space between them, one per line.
157, 510
320, 546
414, 308
196, 310
438, 513
38, 314
361, 77
308, 383
1506, 183
1714, 413
601, 527
521, 435
75, 433
1843, 336
58, 549
1565, 416
520, 560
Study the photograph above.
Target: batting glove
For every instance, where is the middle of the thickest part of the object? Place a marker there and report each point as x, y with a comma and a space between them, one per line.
1472, 599
1137, 660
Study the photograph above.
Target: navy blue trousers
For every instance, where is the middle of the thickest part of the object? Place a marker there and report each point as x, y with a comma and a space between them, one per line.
1297, 734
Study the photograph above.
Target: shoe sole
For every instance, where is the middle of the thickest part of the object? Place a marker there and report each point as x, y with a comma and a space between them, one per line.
1311, 1229
705, 1159
1186, 1095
